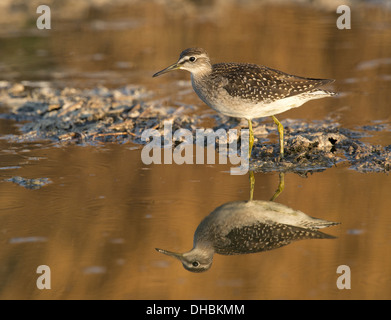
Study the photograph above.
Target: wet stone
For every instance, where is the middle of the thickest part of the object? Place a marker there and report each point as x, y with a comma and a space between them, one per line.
30, 183
100, 115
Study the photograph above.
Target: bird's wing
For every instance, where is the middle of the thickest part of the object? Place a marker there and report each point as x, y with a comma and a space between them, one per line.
265, 236
260, 83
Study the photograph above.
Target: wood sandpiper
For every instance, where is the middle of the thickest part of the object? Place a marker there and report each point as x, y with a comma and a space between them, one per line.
242, 227
247, 91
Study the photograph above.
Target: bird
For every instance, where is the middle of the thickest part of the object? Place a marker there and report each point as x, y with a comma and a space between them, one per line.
247, 91
241, 227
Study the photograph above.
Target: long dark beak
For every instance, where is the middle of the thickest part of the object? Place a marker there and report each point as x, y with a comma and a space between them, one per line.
173, 67
169, 253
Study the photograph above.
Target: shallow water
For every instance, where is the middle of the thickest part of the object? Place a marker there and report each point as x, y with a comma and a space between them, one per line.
98, 223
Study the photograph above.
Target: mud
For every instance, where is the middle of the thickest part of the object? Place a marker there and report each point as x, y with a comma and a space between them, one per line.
318, 146
33, 184
102, 115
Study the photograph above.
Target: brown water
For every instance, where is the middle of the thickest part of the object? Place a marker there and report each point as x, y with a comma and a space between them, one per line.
98, 224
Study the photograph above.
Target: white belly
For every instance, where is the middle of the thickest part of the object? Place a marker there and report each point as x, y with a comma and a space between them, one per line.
235, 107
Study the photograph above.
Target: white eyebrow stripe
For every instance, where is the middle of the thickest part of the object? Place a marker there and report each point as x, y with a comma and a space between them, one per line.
184, 59
197, 56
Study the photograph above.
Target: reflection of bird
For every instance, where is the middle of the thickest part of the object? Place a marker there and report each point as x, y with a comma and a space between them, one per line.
245, 90
246, 227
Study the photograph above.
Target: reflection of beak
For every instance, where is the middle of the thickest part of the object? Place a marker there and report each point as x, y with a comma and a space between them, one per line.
173, 67
169, 253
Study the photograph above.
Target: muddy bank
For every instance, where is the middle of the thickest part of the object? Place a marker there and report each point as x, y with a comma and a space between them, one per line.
101, 115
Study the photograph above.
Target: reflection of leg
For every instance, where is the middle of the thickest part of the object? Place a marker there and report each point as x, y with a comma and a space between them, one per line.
251, 138
280, 188
252, 184
281, 133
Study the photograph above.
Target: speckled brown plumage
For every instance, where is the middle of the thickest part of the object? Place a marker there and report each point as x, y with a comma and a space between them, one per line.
261, 84
263, 237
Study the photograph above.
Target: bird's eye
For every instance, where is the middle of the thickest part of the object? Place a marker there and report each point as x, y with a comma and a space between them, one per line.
192, 59
196, 264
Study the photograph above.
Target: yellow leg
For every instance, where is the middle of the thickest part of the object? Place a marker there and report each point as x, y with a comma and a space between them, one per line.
280, 128
252, 184
251, 138
280, 188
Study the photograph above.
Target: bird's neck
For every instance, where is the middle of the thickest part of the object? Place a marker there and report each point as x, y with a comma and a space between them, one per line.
200, 73
203, 243
203, 250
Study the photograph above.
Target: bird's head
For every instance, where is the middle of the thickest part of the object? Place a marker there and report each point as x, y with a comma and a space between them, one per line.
194, 60
196, 260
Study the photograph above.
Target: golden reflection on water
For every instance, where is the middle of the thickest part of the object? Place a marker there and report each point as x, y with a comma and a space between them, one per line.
98, 223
